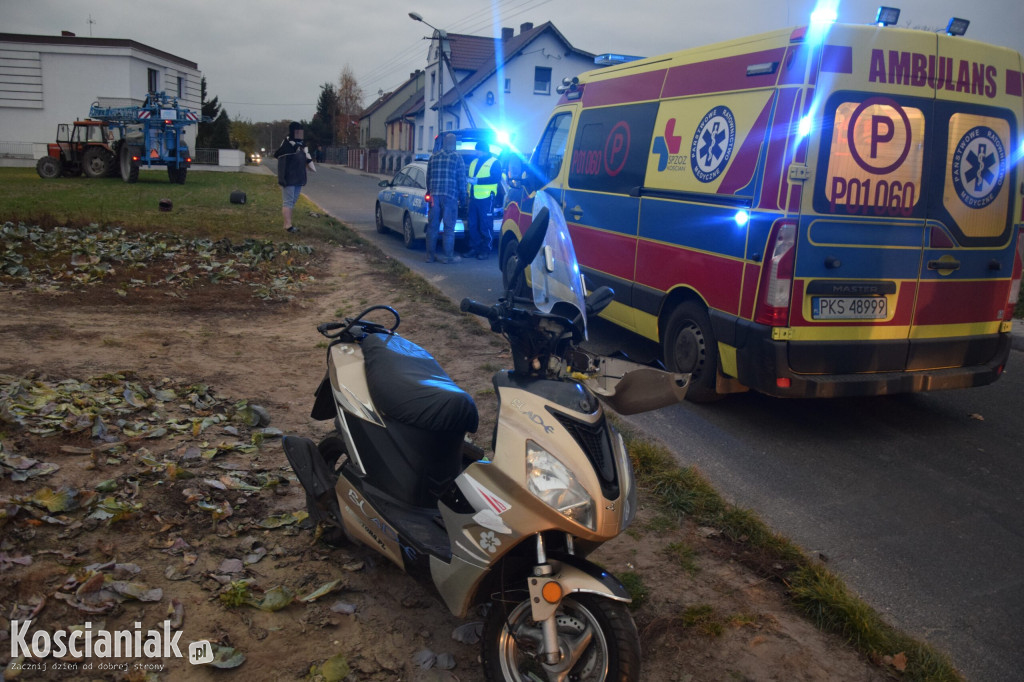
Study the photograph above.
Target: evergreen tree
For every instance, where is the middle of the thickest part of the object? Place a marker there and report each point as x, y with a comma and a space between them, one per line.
215, 133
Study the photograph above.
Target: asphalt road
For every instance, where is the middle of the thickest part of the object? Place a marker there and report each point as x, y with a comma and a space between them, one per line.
914, 500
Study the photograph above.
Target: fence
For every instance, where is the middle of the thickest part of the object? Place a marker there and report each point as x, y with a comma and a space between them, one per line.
210, 157
16, 150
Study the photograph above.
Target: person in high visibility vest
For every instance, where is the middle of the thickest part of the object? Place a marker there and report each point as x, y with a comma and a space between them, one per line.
484, 176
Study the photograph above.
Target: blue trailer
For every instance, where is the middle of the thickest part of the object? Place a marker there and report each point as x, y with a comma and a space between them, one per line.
150, 135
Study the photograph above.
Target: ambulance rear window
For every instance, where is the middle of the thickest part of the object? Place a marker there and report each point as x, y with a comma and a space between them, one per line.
876, 158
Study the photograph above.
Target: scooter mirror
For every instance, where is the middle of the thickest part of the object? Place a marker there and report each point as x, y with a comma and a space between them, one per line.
532, 240
598, 300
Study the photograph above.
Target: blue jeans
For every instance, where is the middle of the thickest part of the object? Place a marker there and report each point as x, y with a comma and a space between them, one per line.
446, 210
481, 226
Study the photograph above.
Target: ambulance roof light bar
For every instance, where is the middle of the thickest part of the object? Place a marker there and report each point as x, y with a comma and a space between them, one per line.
957, 26
887, 16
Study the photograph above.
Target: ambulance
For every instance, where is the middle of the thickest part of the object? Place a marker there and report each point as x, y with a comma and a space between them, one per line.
830, 210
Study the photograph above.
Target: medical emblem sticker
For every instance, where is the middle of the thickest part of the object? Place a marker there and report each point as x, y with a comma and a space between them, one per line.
712, 144
979, 167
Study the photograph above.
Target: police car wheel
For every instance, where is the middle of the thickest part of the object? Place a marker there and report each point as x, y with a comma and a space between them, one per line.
689, 346
408, 233
381, 228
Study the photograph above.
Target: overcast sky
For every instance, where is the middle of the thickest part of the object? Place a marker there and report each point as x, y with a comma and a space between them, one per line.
266, 59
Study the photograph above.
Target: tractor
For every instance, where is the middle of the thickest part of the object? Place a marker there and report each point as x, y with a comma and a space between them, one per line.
88, 147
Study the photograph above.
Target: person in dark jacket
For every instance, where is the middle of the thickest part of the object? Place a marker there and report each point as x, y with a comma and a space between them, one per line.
292, 160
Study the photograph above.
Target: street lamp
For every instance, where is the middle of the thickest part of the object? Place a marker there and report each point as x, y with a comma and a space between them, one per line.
443, 49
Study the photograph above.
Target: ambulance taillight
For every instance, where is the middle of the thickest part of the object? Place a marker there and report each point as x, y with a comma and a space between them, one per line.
777, 277
1015, 279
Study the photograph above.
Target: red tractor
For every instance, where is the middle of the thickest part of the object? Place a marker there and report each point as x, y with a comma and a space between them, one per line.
90, 147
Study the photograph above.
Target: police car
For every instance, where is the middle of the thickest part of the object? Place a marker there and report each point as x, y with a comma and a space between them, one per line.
403, 204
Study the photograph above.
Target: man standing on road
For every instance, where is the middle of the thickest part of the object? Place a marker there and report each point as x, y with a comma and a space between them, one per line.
292, 159
446, 184
484, 176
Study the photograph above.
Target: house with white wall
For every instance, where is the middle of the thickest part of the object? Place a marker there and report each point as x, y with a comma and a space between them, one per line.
508, 84
48, 80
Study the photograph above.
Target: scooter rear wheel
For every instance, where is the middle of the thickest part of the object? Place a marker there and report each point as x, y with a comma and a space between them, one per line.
511, 640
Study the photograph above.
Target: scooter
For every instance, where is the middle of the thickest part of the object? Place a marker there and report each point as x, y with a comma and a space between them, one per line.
511, 531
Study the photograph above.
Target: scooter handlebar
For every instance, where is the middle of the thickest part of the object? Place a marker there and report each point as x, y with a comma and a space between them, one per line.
468, 305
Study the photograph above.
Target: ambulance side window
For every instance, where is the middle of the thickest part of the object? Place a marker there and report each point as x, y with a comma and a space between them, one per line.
611, 148
547, 160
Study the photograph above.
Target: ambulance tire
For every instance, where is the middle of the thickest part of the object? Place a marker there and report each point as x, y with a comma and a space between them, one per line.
689, 346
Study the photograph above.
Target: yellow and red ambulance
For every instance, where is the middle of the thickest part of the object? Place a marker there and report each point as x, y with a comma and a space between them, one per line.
830, 210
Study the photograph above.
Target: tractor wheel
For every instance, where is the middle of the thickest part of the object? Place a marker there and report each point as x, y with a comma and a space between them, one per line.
176, 174
96, 162
49, 168
129, 168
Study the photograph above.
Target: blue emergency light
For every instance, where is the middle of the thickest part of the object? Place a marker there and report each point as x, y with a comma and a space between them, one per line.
887, 16
957, 26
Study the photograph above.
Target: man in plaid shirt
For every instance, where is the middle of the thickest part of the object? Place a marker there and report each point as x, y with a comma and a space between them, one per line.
446, 184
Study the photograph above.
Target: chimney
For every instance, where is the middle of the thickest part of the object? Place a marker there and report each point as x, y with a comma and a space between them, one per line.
524, 27
507, 33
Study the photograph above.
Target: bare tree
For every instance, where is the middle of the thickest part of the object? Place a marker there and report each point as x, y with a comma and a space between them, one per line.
350, 107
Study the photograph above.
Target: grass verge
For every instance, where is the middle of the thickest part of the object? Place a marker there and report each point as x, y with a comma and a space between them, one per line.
812, 589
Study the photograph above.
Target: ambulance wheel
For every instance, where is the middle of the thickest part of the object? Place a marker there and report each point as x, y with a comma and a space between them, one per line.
49, 168
689, 345
378, 217
129, 168
408, 233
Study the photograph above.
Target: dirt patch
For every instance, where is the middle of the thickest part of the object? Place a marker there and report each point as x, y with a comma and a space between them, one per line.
198, 502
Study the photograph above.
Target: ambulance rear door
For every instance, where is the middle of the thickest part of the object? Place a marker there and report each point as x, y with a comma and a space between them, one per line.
861, 245
971, 203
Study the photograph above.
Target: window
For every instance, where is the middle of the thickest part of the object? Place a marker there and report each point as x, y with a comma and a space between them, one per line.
153, 80
508, 85
419, 138
547, 159
181, 87
433, 85
612, 147
542, 80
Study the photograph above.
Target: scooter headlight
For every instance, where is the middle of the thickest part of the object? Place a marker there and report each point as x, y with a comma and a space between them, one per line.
556, 486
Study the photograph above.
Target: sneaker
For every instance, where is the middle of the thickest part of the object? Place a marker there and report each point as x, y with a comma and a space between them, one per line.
452, 259
292, 229
431, 258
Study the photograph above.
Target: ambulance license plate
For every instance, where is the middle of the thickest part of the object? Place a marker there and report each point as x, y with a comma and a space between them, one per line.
849, 308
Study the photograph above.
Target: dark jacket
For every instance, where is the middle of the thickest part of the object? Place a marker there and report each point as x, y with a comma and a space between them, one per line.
291, 164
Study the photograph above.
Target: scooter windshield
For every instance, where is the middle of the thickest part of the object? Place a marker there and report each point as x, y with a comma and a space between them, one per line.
555, 272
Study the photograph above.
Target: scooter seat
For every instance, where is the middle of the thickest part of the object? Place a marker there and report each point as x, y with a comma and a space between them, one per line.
407, 385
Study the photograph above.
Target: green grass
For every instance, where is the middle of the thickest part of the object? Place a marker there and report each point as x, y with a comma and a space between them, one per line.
200, 208
819, 594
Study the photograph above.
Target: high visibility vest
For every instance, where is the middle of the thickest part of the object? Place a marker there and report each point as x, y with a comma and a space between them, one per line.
482, 170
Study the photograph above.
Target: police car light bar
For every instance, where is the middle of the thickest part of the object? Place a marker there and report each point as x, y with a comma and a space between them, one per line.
887, 16
957, 26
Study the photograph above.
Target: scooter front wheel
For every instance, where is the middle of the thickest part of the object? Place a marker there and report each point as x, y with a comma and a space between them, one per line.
596, 636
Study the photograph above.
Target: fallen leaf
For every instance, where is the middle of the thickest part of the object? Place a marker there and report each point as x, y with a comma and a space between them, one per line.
324, 589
